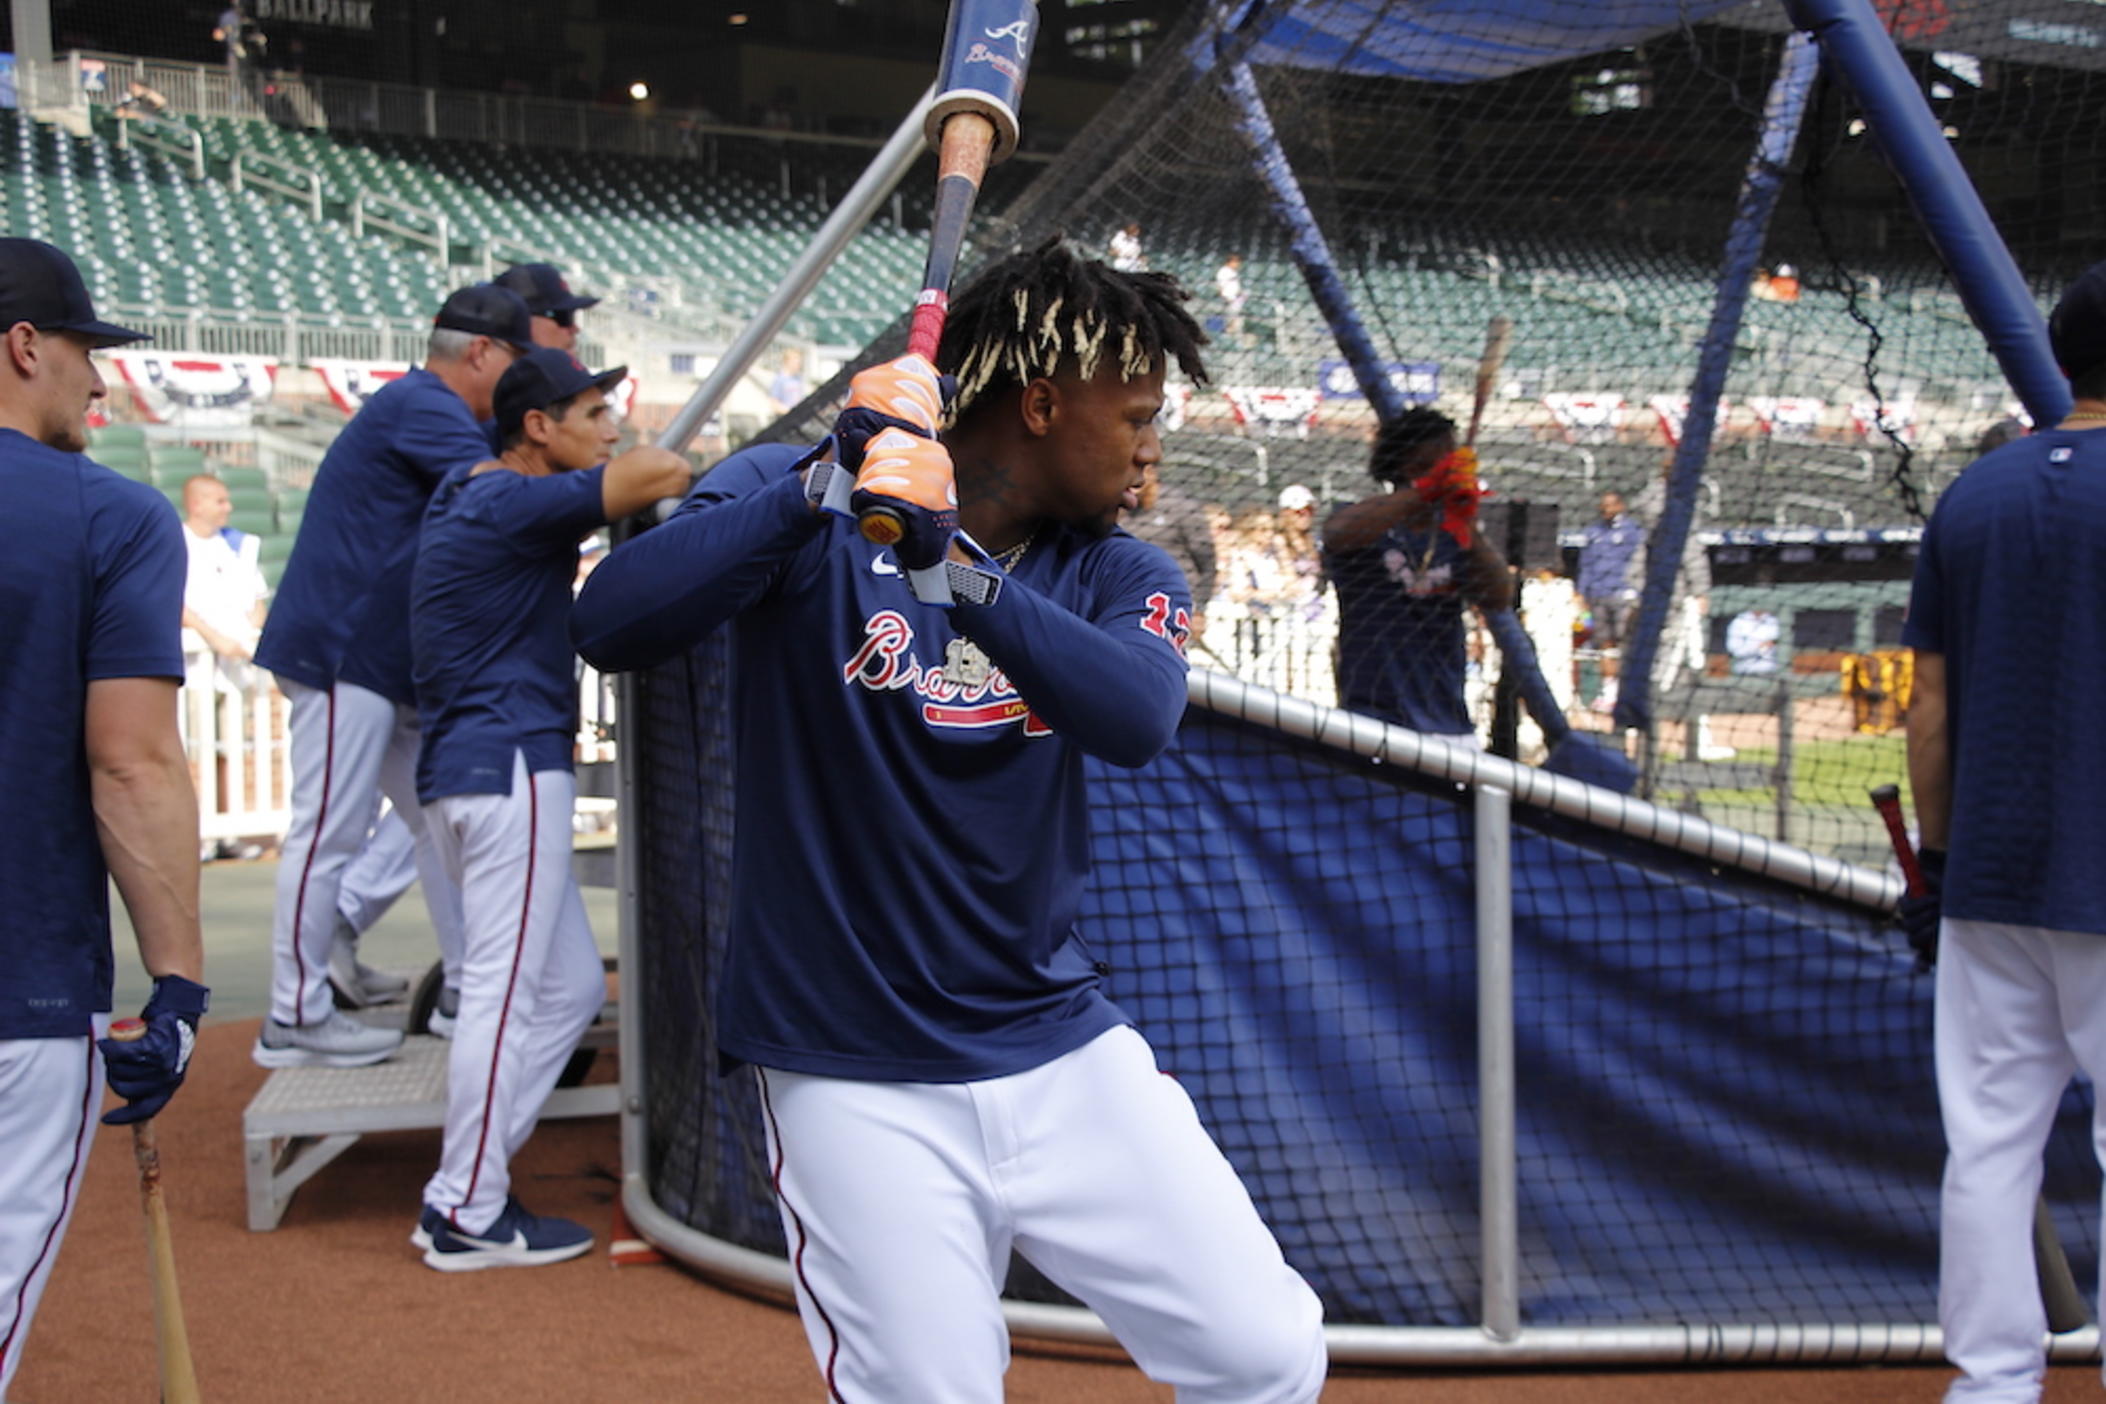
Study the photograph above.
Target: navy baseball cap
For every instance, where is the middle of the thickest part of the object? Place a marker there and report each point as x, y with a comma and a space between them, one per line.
2077, 326
542, 378
484, 309
39, 285
542, 288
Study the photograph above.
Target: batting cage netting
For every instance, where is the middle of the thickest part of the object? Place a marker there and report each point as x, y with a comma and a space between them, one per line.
1726, 1112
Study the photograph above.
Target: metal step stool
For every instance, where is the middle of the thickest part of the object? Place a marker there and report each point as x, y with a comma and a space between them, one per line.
303, 1118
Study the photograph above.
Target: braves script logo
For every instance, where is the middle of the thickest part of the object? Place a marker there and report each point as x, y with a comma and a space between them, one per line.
1419, 582
981, 697
1161, 623
1008, 67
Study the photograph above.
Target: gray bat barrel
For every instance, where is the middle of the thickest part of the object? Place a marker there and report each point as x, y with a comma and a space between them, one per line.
986, 53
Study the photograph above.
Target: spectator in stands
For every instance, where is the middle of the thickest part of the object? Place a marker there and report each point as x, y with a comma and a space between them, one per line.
2005, 755
1751, 641
1608, 583
1228, 282
1168, 518
1403, 576
139, 100
1125, 249
788, 386
338, 639
1685, 635
1309, 623
1784, 283
92, 761
1257, 586
223, 593
554, 306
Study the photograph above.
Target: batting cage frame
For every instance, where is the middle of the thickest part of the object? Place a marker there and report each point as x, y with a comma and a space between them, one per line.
1472, 1260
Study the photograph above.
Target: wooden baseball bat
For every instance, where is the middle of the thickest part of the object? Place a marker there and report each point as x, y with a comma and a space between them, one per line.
2059, 1296
1498, 340
973, 125
178, 1374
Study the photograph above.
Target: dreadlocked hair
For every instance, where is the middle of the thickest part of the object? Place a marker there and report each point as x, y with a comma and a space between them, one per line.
1402, 438
1038, 312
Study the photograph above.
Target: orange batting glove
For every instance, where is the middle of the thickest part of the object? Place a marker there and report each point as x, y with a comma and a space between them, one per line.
906, 497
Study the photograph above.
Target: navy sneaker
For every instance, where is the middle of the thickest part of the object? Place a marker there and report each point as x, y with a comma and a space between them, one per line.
428, 1223
516, 1239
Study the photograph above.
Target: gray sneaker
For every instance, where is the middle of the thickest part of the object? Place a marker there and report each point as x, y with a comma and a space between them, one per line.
356, 984
339, 1041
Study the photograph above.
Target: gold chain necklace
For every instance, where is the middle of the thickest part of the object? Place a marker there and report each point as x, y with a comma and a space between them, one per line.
1007, 559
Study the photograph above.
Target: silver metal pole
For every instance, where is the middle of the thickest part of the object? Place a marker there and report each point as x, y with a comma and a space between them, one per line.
862, 201
1499, 1208
628, 870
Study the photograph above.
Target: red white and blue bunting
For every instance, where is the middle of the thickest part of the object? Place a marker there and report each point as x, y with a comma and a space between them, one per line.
189, 389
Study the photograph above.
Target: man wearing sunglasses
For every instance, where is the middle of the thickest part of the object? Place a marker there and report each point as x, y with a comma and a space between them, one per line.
549, 298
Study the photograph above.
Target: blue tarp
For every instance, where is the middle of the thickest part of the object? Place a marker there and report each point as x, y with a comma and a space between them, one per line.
1465, 41
1726, 1101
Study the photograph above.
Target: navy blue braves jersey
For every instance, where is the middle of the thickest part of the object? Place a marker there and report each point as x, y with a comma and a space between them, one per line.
912, 832
489, 609
91, 588
2011, 588
1400, 630
342, 610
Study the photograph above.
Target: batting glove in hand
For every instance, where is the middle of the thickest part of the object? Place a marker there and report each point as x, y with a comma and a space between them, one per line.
1919, 913
147, 1071
911, 478
903, 394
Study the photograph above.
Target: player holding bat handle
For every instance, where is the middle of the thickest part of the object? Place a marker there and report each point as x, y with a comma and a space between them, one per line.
2007, 617
943, 1076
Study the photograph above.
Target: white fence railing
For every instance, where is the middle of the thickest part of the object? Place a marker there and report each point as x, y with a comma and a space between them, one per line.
236, 740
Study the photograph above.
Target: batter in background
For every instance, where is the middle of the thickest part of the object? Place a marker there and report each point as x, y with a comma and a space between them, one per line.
942, 1074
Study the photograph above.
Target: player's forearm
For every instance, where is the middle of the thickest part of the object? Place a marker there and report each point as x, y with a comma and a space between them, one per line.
640, 477
1930, 752
1118, 699
1363, 524
659, 595
146, 818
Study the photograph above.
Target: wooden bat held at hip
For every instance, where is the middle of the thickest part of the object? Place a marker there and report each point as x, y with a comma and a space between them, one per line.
972, 124
178, 1375
2059, 1295
1498, 340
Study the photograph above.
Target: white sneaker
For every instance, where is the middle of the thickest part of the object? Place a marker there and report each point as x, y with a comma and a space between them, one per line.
338, 1041
444, 1012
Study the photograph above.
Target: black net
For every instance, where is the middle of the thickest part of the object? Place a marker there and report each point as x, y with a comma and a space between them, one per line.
1727, 1111
1586, 198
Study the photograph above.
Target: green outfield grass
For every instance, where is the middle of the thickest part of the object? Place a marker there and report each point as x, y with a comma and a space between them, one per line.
1839, 773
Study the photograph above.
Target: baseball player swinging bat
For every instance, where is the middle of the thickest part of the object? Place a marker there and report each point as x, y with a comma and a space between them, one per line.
2058, 1285
973, 125
178, 1376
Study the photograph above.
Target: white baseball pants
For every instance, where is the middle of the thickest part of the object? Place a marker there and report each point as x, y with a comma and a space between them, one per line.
382, 872
50, 1097
2020, 1010
531, 981
901, 1202
349, 747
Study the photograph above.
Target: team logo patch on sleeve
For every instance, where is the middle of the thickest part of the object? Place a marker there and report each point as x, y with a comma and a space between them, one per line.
1159, 621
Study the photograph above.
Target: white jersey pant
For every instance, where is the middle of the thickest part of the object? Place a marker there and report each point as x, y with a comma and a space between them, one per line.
2020, 1010
50, 1097
382, 872
902, 1201
349, 747
531, 981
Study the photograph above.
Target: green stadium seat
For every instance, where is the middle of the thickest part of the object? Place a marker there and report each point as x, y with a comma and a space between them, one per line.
254, 523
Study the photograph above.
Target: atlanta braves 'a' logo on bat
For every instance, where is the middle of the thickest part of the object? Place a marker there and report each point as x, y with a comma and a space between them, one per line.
965, 692
1020, 31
